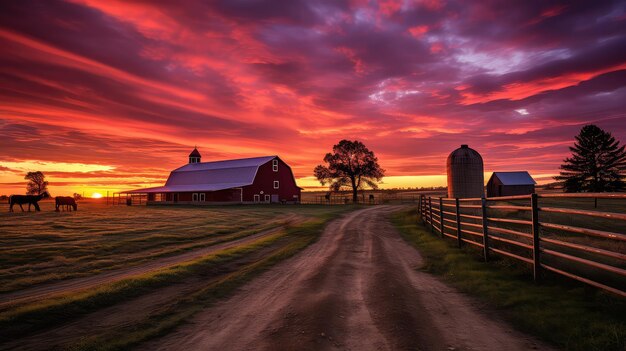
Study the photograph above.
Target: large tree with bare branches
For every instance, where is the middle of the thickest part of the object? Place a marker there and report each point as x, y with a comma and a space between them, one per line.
351, 165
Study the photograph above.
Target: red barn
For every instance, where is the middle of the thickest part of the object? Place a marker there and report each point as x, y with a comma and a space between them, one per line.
264, 179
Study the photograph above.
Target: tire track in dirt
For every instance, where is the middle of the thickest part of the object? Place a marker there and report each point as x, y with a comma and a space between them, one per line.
19, 297
357, 288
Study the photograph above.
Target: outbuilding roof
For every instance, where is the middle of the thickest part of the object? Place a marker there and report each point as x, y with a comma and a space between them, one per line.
210, 176
514, 178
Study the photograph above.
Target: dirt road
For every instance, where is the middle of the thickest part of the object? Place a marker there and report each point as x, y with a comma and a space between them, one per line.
355, 289
80, 284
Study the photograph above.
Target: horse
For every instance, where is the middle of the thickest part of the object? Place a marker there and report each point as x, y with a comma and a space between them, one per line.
27, 199
65, 201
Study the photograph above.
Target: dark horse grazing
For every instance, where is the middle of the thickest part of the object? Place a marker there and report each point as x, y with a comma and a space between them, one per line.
27, 199
65, 201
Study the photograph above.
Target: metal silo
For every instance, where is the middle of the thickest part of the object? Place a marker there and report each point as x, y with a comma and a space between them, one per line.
465, 173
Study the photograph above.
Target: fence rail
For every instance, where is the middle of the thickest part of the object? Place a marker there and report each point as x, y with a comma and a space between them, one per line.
519, 228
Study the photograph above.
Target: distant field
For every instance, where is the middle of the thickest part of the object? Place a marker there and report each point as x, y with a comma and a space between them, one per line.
44, 246
379, 196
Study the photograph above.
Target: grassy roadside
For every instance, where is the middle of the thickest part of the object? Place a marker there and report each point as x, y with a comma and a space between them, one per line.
37, 248
564, 313
10, 283
245, 261
47, 312
180, 311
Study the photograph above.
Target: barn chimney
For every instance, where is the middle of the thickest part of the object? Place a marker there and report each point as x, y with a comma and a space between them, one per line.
194, 156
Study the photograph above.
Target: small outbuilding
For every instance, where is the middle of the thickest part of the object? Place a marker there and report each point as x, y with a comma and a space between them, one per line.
510, 184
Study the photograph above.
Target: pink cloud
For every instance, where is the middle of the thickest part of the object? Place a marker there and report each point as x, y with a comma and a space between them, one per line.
135, 85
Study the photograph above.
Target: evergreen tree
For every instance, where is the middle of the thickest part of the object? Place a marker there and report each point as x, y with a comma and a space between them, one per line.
597, 163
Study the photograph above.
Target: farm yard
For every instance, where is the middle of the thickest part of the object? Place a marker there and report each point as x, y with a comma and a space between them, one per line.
223, 277
313, 175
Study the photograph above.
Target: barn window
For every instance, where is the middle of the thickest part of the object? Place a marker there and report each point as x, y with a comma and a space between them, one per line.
257, 198
276, 184
267, 198
202, 196
194, 197
275, 165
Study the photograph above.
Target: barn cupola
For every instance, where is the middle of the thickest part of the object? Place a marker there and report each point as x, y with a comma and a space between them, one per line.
194, 156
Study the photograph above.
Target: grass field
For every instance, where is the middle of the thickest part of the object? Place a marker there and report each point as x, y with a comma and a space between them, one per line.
564, 312
39, 247
44, 247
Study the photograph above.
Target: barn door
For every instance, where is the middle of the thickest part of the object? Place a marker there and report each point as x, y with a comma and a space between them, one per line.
274, 198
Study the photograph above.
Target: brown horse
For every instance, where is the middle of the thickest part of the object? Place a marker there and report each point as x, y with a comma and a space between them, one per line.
66, 202
27, 199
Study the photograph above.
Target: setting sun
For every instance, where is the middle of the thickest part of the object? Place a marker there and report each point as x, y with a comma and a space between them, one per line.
96, 195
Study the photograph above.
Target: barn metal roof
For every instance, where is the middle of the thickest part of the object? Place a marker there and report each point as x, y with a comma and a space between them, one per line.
210, 176
242, 162
515, 178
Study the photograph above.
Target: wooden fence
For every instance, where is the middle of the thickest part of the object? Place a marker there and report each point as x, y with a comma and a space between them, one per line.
553, 232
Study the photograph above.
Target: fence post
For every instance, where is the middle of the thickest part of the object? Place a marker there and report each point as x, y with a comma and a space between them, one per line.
441, 215
485, 230
419, 206
535, 229
458, 223
424, 209
430, 209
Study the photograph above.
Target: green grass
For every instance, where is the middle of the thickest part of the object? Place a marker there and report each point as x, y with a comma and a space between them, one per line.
47, 312
181, 311
221, 272
562, 312
46, 246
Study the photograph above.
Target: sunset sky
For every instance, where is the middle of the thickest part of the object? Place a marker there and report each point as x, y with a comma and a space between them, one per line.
110, 95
